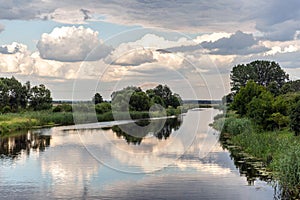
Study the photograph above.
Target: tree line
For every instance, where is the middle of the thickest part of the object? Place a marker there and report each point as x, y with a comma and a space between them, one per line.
15, 96
137, 99
261, 90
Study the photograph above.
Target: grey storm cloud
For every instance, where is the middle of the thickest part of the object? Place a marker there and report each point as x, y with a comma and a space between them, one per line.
279, 20
239, 43
276, 19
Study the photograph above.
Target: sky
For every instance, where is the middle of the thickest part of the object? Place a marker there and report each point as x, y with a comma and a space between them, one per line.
77, 49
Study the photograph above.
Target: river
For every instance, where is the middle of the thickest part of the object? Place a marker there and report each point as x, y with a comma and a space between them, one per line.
176, 158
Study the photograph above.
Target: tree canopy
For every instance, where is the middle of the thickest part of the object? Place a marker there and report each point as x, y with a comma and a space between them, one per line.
261, 72
15, 96
142, 101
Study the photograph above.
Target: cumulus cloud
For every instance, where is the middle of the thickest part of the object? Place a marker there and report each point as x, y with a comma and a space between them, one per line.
148, 49
13, 48
15, 58
70, 44
134, 57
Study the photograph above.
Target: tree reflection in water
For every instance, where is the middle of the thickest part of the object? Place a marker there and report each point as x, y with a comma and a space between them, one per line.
12, 146
135, 137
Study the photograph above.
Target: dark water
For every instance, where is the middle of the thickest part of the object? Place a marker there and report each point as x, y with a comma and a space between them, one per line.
177, 158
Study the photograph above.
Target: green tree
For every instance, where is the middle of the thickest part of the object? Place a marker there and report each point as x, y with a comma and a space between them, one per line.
165, 93
261, 72
295, 118
291, 86
40, 98
245, 96
97, 98
121, 98
139, 101
13, 94
260, 109
240, 75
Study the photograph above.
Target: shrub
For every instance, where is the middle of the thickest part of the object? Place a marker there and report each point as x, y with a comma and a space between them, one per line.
6, 109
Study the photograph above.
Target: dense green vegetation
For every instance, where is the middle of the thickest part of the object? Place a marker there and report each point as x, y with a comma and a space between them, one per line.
24, 107
15, 97
263, 118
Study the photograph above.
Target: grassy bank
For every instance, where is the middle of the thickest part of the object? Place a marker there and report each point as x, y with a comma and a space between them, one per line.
279, 150
12, 122
32, 119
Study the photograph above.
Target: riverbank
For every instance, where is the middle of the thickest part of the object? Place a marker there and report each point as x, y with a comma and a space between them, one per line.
12, 122
278, 151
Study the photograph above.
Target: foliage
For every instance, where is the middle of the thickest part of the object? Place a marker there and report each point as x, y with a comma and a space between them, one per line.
40, 98
13, 93
260, 108
6, 109
291, 86
134, 99
288, 167
139, 101
245, 96
102, 108
63, 108
97, 98
17, 96
278, 120
261, 72
167, 96
295, 118
233, 125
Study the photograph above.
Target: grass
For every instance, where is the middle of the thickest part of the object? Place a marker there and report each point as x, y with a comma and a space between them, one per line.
13, 122
20, 121
279, 150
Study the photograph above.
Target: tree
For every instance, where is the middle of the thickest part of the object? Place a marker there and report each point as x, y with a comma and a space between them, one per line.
245, 96
139, 101
40, 98
121, 98
165, 93
260, 108
261, 72
13, 94
240, 75
291, 86
295, 118
97, 98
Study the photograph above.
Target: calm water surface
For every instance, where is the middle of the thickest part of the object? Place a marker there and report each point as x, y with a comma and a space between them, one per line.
178, 158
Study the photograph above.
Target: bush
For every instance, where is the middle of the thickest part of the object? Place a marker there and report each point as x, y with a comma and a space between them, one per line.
6, 109
57, 109
63, 108
102, 107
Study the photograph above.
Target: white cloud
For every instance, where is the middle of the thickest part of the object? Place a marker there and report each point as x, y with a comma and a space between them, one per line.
70, 44
15, 58
211, 37
132, 57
